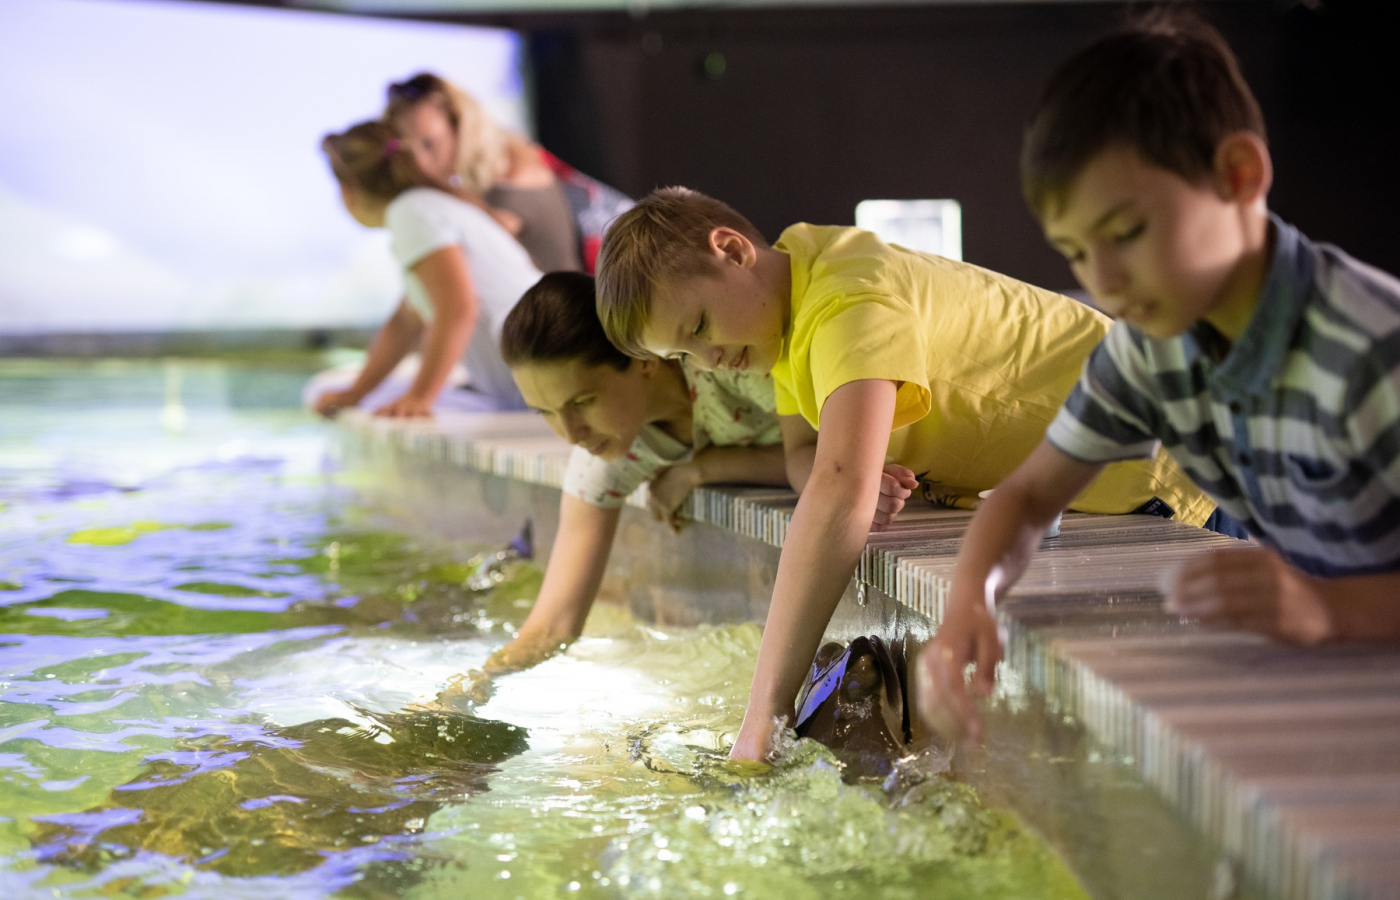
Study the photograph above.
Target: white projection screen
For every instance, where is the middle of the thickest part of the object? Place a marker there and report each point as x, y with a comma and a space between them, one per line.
160, 167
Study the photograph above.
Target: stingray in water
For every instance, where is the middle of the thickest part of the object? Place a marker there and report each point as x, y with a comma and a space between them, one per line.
854, 702
283, 800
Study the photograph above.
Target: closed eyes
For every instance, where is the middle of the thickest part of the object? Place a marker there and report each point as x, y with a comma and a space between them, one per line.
1131, 234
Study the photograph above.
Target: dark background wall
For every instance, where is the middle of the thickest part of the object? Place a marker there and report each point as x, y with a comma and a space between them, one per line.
801, 113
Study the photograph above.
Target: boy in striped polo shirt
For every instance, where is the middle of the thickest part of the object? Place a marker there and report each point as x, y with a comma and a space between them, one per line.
1267, 365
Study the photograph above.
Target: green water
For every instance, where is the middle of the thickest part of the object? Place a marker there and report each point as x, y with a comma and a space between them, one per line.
211, 661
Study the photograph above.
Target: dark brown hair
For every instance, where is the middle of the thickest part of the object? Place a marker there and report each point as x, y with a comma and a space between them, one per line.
556, 321
370, 157
1166, 85
666, 235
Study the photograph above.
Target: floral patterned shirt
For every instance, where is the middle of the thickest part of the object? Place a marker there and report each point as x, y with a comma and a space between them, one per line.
729, 409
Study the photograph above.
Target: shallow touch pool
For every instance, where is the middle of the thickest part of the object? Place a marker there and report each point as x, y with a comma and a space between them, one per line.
209, 660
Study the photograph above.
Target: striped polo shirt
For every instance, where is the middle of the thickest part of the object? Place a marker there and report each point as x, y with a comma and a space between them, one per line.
1294, 429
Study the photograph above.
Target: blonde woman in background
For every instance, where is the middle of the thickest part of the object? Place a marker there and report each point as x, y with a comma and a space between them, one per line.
462, 274
556, 212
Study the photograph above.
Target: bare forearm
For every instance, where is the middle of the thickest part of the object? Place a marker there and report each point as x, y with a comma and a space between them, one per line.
742, 465
394, 340
447, 341
1009, 525
825, 541
1003, 537
798, 464
1364, 608
575, 570
447, 281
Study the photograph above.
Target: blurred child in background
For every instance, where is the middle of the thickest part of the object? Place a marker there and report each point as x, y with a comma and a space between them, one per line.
462, 274
555, 211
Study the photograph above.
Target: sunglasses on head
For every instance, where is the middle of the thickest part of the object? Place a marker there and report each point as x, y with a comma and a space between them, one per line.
414, 89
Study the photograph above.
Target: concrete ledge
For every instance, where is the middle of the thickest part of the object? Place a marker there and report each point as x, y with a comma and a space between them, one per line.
1286, 761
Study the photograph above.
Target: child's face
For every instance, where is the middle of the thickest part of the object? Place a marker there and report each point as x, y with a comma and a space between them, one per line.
597, 408
732, 318
1152, 248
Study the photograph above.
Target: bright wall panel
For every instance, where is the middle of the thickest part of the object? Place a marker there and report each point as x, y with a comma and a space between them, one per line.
160, 164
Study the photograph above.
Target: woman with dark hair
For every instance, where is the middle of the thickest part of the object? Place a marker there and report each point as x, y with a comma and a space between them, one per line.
633, 422
462, 273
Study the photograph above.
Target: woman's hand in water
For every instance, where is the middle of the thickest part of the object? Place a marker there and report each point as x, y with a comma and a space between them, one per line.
331, 403
465, 692
896, 484
524, 652
668, 491
477, 686
406, 407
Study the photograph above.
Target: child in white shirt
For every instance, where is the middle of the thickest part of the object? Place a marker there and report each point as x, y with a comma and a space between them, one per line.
462, 274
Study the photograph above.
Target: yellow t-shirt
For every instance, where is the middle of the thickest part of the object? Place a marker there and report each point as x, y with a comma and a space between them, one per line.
984, 363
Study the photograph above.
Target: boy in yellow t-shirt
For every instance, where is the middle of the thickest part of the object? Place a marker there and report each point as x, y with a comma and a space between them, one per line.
886, 364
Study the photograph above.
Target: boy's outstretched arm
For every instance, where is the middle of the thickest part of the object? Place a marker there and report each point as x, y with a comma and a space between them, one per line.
1003, 536
824, 541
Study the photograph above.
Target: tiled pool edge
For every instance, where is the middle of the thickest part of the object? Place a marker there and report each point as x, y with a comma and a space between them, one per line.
911, 565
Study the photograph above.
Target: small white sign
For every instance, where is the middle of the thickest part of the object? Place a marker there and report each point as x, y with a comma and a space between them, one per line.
929, 226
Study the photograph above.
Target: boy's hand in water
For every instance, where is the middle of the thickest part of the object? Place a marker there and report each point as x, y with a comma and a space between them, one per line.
896, 484
1252, 589
406, 407
755, 740
332, 402
668, 491
967, 635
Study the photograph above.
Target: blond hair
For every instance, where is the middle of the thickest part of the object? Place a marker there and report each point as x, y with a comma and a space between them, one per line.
484, 148
370, 157
665, 236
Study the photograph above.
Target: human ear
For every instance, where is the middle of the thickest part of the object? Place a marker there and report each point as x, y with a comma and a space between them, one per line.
732, 247
647, 366
1243, 170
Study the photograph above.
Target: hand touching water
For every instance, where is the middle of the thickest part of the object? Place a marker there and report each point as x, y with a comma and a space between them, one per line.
755, 739
968, 634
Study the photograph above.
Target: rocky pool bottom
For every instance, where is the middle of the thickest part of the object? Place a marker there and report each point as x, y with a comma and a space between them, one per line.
210, 661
